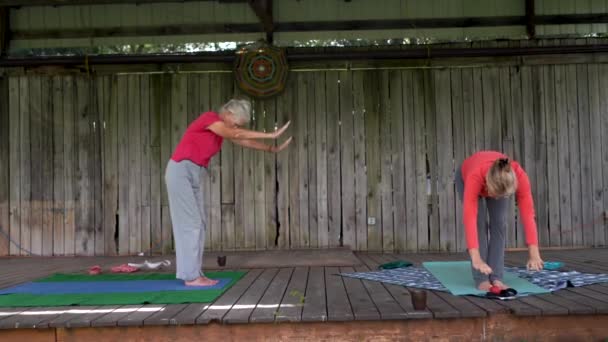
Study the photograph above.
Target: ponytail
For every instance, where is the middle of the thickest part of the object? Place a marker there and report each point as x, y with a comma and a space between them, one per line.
501, 180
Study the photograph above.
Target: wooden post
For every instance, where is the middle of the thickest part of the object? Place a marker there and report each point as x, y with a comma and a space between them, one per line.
530, 18
4, 30
263, 10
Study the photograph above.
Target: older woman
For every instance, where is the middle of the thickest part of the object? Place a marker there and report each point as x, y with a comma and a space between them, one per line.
487, 179
201, 141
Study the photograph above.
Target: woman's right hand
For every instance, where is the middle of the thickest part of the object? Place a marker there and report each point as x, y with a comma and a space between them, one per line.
278, 132
482, 267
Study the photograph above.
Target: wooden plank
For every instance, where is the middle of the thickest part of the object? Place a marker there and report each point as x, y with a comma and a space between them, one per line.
508, 142
14, 172
206, 179
460, 119
69, 124
145, 210
123, 113
338, 306
46, 165
362, 305
58, 172
531, 107
347, 155
547, 308
409, 161
595, 122
223, 304
582, 235
157, 164
297, 296
386, 169
269, 305
227, 188
27, 319
399, 151
478, 106
85, 235
333, 161
189, 314
166, 316
270, 177
301, 213
134, 157
422, 234
111, 319
217, 99
249, 196
311, 135
25, 165
138, 317
373, 159
295, 176
553, 158
386, 305
399, 293
491, 109
109, 142
574, 121
259, 178
321, 146
445, 158
360, 190
4, 172
285, 108
243, 308
517, 128
565, 205
35, 143
80, 317
575, 295
96, 109
604, 125
430, 112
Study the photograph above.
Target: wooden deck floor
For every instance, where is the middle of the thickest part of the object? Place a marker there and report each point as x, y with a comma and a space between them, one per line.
305, 294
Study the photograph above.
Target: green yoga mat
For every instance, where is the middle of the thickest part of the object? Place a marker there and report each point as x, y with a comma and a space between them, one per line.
118, 298
456, 276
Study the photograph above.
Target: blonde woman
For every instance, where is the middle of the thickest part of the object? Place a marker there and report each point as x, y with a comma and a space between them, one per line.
201, 141
486, 180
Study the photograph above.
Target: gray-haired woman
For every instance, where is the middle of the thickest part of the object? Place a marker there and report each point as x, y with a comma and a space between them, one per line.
201, 141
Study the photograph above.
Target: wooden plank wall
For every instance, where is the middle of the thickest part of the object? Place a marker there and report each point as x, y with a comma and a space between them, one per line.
371, 165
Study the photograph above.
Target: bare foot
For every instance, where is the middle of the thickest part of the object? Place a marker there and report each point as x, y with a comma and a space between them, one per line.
201, 281
500, 284
484, 286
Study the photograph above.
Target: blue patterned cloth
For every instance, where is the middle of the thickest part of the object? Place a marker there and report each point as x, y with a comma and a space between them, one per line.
419, 277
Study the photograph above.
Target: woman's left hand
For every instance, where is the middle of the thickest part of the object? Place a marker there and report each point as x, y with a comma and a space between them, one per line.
282, 146
535, 263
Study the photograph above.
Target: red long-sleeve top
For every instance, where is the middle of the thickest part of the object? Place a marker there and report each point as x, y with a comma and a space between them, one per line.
474, 170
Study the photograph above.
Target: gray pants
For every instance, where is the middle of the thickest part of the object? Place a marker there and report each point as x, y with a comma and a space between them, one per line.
187, 216
492, 250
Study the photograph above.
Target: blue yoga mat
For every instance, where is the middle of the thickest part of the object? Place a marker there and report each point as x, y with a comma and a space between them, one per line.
44, 288
456, 276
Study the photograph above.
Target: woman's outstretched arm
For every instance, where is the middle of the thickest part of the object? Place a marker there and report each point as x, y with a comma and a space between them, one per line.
232, 133
256, 145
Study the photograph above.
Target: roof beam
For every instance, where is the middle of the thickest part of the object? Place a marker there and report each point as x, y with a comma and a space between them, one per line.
19, 3
263, 10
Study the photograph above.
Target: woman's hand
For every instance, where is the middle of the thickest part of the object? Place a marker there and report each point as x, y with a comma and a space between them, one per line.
277, 149
482, 267
535, 263
278, 132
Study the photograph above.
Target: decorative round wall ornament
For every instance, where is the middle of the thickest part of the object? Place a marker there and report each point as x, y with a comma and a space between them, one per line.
260, 70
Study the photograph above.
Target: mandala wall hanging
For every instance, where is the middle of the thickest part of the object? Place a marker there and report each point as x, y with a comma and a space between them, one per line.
261, 70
